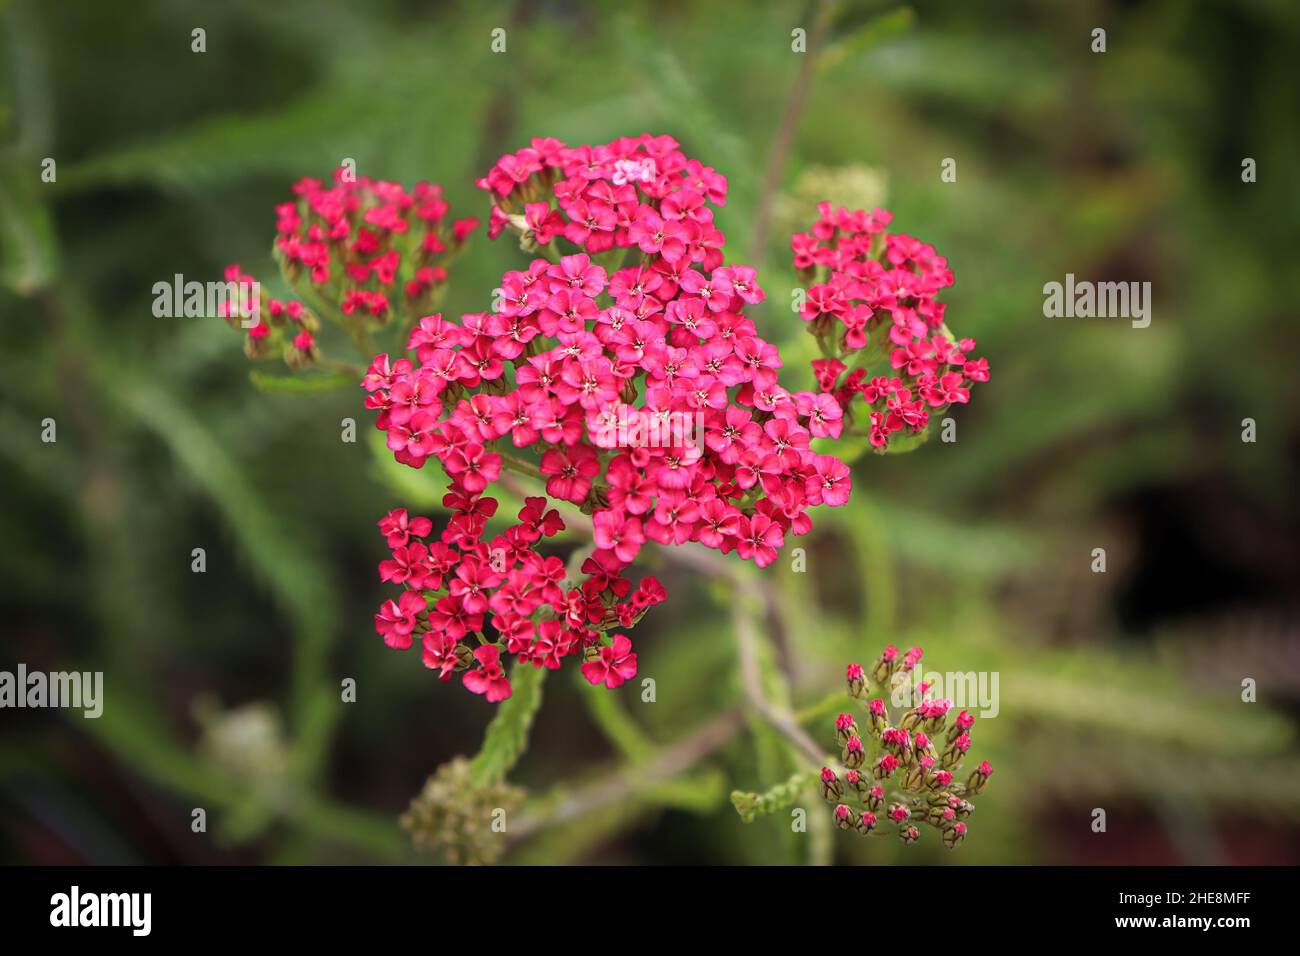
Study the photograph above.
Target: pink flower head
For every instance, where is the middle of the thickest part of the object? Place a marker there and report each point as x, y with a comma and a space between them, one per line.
880, 293
645, 396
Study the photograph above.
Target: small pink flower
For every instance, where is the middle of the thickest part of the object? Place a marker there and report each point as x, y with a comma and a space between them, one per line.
488, 678
615, 664
397, 619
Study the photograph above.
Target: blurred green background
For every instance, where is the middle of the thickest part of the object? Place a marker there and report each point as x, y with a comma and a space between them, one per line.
1119, 690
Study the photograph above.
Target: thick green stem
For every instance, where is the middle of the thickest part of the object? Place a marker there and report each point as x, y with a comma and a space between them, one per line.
507, 735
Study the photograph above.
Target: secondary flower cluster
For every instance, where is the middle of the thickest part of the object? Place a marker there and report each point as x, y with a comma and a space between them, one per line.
457, 581
874, 299
359, 247
902, 775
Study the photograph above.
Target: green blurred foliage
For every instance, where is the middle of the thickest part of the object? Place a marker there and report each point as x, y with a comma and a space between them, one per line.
1121, 690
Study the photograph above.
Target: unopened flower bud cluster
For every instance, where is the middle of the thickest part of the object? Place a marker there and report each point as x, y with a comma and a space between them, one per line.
902, 772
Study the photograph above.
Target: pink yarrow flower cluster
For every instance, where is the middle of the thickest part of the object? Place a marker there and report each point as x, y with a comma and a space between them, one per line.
871, 298
641, 322
905, 774
458, 582
365, 249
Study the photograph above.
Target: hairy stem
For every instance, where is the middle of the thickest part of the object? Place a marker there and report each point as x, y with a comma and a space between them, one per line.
745, 630
627, 782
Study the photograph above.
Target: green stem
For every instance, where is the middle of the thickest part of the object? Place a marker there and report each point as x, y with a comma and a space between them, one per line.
506, 739
521, 466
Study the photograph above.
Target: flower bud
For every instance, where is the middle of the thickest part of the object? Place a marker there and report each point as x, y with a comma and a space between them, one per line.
857, 783
854, 753
831, 788
857, 680
954, 835
885, 665
979, 777
866, 822
935, 713
909, 834
896, 741
876, 797
886, 766
899, 813
956, 750
257, 344
845, 817
845, 727
464, 657
964, 721
878, 716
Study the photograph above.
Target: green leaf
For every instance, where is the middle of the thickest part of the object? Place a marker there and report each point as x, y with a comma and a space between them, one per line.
228, 147
870, 34
28, 250
308, 384
507, 736
750, 806
614, 721
902, 442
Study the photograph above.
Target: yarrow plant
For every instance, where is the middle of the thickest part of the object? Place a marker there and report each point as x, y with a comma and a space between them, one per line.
628, 314
902, 772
